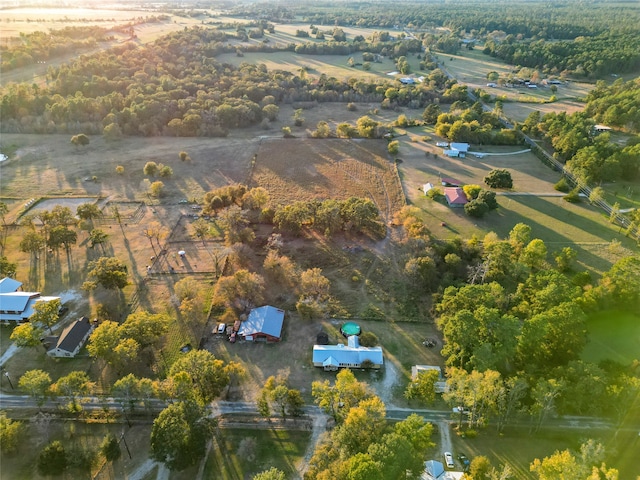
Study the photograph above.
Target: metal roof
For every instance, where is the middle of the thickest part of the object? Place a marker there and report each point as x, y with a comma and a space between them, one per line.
8, 285
344, 354
16, 301
266, 320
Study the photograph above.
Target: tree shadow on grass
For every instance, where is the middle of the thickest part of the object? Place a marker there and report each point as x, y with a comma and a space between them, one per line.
554, 240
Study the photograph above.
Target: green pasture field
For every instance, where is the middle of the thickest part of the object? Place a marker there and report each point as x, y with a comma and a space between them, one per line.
519, 448
613, 335
283, 449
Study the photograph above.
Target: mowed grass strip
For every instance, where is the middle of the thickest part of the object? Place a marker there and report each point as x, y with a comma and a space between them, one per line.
613, 335
283, 449
518, 448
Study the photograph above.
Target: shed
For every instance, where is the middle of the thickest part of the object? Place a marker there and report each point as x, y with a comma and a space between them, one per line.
426, 187
455, 197
450, 182
73, 337
263, 324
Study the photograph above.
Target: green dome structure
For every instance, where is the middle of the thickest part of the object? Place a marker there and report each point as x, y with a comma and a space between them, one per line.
350, 328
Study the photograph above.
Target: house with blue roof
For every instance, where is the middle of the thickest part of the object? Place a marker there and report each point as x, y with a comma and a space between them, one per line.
264, 324
351, 355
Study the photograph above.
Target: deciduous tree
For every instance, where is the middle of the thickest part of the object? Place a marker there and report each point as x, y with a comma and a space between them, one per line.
179, 435
36, 383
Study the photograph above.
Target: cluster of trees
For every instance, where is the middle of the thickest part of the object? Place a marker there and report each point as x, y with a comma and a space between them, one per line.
145, 91
524, 321
471, 125
589, 156
277, 395
358, 215
591, 57
363, 445
54, 232
120, 344
41, 47
616, 105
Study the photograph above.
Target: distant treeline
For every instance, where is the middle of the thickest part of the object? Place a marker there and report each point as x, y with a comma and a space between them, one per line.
176, 86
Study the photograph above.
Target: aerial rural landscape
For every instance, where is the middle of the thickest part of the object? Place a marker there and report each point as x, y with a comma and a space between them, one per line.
269, 240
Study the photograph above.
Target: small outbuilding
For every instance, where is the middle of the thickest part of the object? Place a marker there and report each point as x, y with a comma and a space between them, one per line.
264, 324
426, 187
450, 182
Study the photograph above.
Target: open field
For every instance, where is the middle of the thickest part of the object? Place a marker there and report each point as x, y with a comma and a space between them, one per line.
472, 66
552, 219
519, 448
316, 65
72, 434
283, 449
613, 335
332, 168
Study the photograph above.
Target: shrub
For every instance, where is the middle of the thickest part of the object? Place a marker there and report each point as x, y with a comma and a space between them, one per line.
393, 147
435, 193
472, 191
489, 198
352, 107
573, 196
476, 208
562, 185
119, 169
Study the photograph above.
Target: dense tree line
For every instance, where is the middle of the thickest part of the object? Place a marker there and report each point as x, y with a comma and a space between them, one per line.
172, 87
591, 157
41, 47
616, 105
586, 56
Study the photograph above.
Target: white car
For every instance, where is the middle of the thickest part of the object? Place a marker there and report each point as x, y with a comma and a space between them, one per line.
448, 460
221, 328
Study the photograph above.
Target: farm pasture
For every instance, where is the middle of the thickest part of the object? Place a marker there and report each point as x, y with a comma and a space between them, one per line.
552, 219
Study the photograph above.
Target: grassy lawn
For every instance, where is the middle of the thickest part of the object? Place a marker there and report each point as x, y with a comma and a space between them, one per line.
518, 448
613, 335
557, 222
274, 448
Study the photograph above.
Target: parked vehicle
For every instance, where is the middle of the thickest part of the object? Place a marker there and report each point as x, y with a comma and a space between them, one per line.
462, 458
222, 328
448, 460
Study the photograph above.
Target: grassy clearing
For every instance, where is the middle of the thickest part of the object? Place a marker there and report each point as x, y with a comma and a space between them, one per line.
552, 219
613, 335
274, 448
519, 449
72, 434
472, 66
